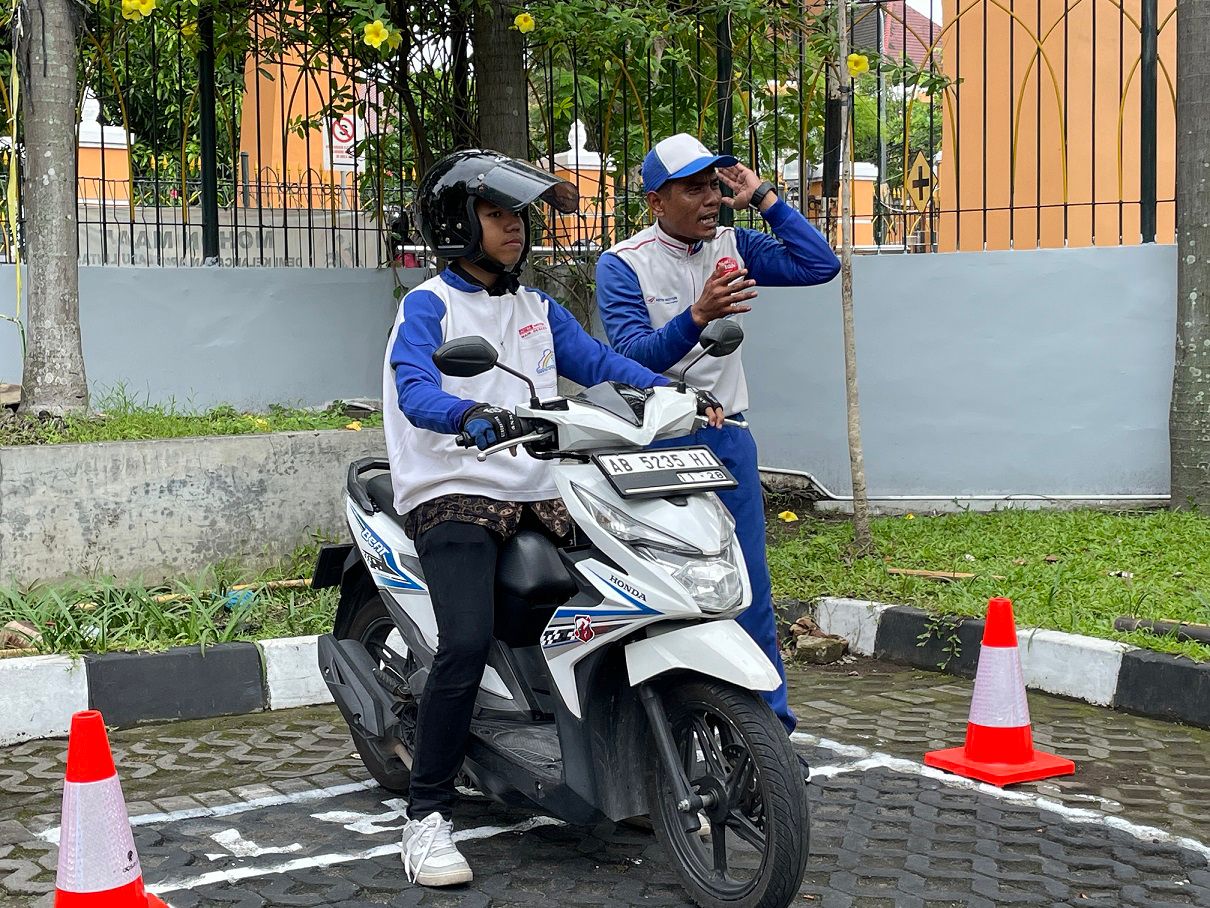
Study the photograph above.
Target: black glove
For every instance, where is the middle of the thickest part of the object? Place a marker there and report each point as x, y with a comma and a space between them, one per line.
489, 425
705, 401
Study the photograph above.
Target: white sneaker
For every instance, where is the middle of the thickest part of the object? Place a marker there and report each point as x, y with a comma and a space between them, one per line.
430, 857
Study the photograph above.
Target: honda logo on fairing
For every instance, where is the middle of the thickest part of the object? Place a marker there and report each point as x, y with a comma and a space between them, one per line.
627, 588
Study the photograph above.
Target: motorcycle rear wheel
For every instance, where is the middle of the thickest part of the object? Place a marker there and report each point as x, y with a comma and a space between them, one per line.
731, 745
371, 626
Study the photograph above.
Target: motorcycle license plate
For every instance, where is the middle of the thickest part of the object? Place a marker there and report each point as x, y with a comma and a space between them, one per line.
669, 471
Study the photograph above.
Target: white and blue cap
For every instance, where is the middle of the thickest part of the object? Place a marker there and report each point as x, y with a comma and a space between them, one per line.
679, 156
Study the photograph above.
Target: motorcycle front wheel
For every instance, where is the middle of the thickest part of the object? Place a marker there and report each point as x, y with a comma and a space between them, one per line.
733, 747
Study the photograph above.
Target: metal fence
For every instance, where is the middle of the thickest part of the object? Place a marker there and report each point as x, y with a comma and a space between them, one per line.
266, 138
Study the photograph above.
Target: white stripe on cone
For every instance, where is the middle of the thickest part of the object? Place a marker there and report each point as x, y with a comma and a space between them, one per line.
999, 698
96, 846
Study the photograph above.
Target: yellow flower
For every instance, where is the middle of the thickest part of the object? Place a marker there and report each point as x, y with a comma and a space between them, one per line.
189, 29
524, 23
355, 425
858, 64
909, 516
375, 33
131, 10
394, 39
145, 6
787, 516
261, 423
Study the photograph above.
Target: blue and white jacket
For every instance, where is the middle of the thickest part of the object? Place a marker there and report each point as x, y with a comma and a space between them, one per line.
646, 285
423, 409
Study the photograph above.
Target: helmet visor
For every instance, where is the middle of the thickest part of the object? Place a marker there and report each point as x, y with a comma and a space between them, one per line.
513, 185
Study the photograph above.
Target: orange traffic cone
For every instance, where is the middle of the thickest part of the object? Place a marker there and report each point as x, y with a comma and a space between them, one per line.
98, 864
999, 744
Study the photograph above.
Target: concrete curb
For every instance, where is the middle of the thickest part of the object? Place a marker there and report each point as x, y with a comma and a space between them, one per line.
1096, 671
38, 694
292, 673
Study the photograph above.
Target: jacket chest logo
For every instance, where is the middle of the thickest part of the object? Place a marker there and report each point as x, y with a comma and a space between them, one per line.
657, 300
532, 330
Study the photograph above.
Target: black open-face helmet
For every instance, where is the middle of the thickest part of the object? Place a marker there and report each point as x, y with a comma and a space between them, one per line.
445, 201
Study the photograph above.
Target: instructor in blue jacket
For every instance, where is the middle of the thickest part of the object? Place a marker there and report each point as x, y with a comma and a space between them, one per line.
660, 288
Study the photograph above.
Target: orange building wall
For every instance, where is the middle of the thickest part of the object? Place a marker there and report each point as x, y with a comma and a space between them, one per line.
291, 168
594, 220
1025, 193
115, 172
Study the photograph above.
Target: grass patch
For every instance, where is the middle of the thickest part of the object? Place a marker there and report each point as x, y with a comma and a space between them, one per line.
1149, 564
97, 616
121, 417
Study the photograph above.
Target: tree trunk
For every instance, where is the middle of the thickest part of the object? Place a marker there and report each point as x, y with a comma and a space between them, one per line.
500, 88
460, 29
1189, 419
54, 379
863, 540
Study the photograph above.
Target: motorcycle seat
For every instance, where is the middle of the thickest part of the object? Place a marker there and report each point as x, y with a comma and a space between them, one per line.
380, 492
531, 578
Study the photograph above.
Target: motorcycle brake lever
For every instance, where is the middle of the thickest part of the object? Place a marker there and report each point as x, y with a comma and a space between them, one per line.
737, 423
511, 443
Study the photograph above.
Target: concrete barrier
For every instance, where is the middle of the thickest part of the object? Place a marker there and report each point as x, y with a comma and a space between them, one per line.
170, 506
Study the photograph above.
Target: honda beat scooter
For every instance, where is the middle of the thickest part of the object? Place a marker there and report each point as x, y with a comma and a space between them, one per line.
618, 683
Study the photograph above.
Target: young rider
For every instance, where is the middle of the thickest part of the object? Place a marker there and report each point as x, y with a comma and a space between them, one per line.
474, 214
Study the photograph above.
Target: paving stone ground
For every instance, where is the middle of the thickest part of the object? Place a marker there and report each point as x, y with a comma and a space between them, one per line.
274, 810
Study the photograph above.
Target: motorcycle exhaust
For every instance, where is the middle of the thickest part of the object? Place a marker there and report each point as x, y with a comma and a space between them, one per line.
348, 670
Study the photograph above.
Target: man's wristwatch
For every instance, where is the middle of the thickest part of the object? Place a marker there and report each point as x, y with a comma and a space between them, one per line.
758, 194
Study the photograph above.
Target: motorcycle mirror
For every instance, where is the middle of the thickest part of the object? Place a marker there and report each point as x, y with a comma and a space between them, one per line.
721, 337
465, 357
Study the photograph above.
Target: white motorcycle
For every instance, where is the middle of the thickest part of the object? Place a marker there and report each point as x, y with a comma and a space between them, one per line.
618, 684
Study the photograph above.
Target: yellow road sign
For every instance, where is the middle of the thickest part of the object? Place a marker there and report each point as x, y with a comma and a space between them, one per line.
918, 182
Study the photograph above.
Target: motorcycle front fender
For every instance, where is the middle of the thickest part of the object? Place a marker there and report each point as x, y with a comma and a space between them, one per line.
717, 649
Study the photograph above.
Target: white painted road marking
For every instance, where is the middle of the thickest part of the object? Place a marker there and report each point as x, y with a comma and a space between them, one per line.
234, 874
226, 810
365, 823
869, 759
234, 842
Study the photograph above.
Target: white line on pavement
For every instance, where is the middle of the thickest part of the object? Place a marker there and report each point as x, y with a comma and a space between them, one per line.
225, 810
327, 860
870, 759
235, 843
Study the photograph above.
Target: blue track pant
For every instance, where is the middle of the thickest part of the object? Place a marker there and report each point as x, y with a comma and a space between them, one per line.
737, 449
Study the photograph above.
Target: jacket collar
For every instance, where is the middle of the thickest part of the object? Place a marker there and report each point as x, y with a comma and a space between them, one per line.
458, 278
673, 246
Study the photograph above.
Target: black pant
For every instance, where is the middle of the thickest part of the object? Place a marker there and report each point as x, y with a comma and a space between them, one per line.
459, 561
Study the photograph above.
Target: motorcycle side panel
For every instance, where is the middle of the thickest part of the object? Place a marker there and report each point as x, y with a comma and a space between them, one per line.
720, 649
392, 561
634, 595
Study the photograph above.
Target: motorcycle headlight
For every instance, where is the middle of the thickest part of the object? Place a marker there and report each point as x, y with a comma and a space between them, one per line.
714, 583
624, 527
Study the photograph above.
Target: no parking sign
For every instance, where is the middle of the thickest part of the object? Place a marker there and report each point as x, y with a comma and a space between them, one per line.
340, 140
